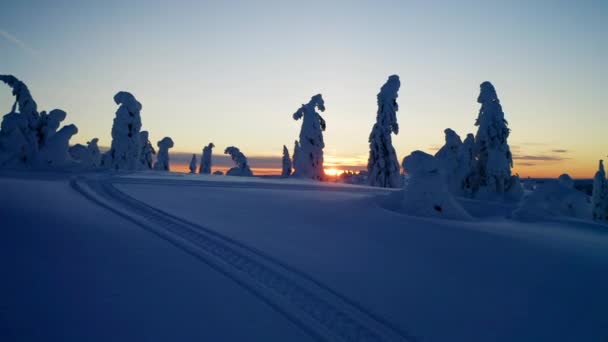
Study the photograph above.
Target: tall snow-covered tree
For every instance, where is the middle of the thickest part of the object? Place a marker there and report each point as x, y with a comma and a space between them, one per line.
162, 161
599, 197
286, 163
242, 167
309, 162
205, 167
193, 164
146, 158
492, 174
125, 151
24, 132
383, 166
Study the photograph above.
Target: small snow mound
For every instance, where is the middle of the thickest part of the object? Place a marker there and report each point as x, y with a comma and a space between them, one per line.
554, 198
426, 193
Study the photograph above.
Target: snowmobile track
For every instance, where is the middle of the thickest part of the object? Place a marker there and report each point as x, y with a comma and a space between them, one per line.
323, 313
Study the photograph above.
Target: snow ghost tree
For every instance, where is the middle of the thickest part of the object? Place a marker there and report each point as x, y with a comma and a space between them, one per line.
241, 168
55, 150
426, 193
466, 163
162, 161
492, 173
296, 160
382, 166
146, 157
599, 197
29, 138
448, 159
309, 162
286, 162
89, 156
125, 151
193, 164
205, 167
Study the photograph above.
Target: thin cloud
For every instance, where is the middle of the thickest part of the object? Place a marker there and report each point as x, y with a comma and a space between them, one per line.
534, 143
538, 157
559, 151
18, 42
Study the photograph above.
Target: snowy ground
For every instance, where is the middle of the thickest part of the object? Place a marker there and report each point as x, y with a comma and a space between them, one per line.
187, 257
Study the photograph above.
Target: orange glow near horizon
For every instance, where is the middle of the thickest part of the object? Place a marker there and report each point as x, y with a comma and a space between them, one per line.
333, 172
337, 166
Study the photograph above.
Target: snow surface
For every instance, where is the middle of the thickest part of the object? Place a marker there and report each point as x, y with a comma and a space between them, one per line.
94, 263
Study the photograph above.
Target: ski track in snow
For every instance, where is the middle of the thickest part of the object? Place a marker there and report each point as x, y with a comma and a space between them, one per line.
323, 313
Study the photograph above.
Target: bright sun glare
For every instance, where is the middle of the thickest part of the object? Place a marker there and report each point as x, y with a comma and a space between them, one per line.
333, 172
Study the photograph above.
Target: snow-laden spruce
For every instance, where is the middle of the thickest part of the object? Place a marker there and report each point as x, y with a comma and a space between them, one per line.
492, 173
89, 156
599, 197
162, 160
426, 193
29, 138
554, 198
192, 165
308, 159
448, 159
382, 165
205, 167
286, 163
241, 168
126, 148
466, 163
146, 158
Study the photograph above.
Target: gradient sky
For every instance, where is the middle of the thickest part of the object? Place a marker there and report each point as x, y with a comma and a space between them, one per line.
233, 72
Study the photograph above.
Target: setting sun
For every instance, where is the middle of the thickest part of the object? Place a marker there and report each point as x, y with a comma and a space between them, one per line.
333, 172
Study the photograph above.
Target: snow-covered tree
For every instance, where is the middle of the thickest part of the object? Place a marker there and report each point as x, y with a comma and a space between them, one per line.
286, 163
25, 133
599, 197
55, 150
309, 162
162, 161
298, 163
89, 156
492, 173
466, 164
448, 159
241, 168
193, 164
125, 151
205, 167
426, 193
146, 158
383, 166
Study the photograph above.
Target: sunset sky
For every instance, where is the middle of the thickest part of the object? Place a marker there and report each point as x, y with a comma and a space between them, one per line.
233, 72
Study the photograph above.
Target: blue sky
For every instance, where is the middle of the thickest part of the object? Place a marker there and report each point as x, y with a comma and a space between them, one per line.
233, 72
